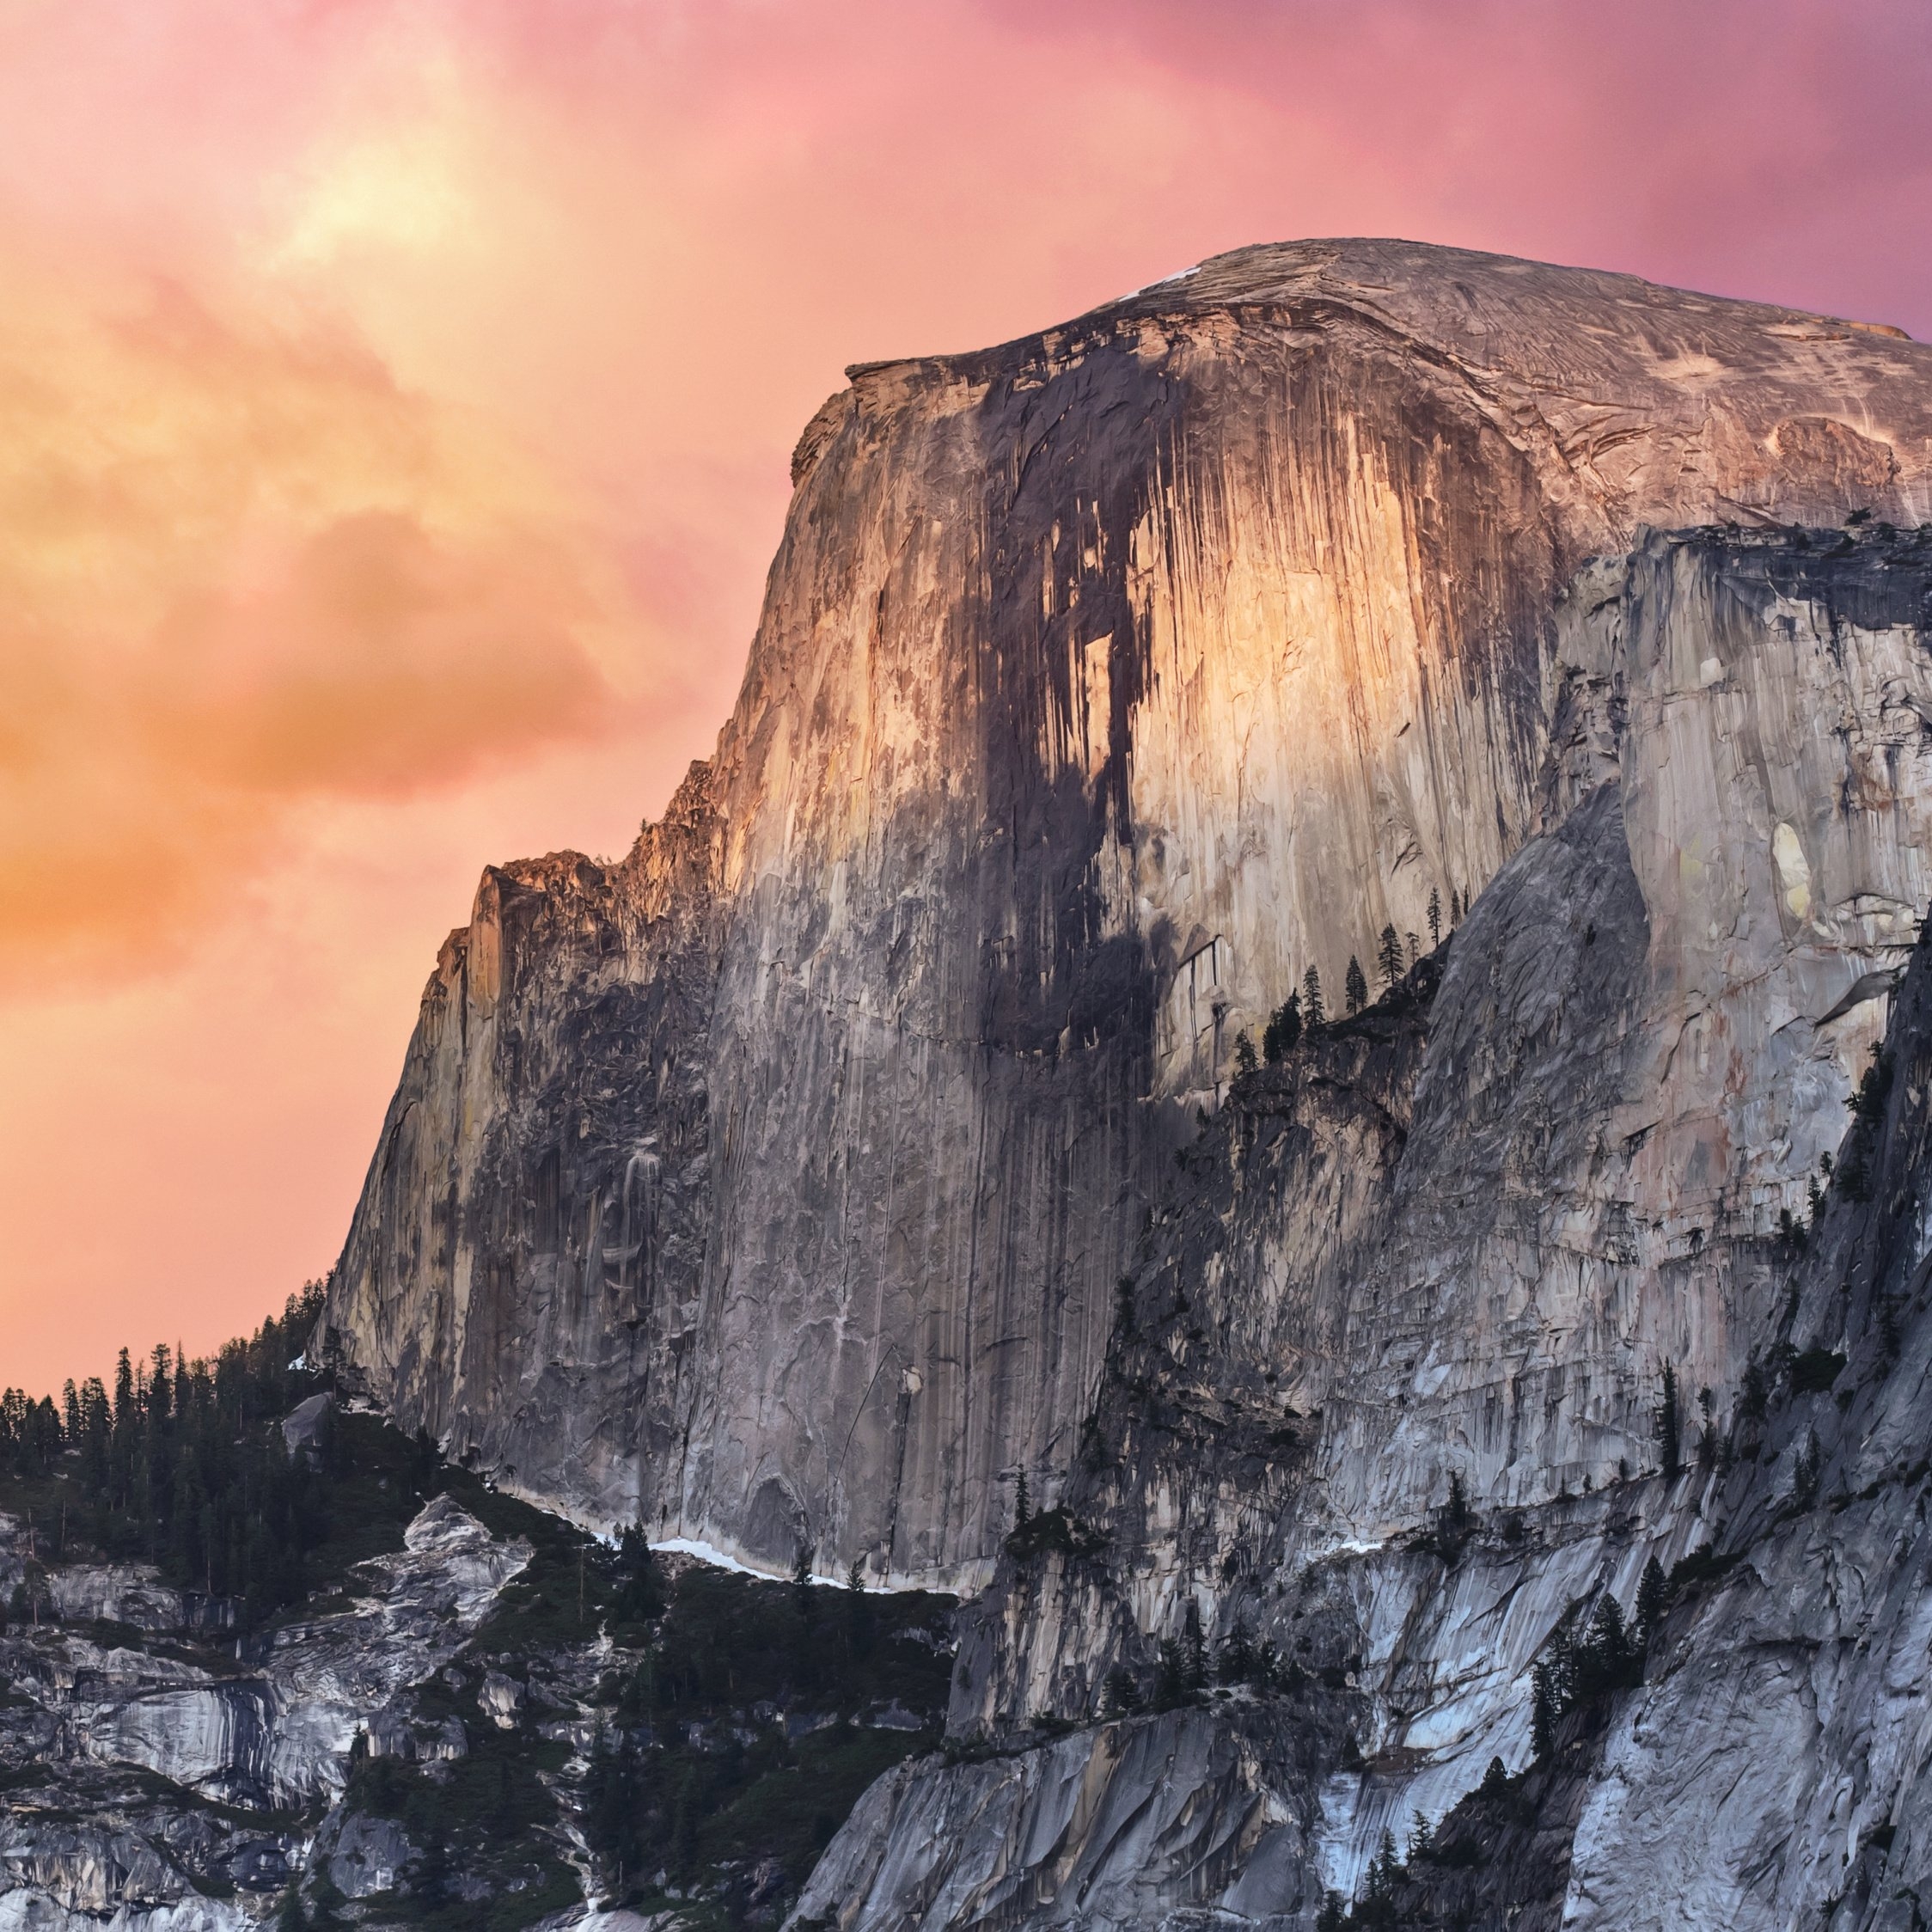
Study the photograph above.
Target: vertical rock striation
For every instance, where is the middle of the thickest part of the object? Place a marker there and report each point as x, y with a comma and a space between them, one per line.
873, 1132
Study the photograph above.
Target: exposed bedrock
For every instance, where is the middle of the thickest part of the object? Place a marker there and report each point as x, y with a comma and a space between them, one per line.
1768, 1764
162, 1794
276, 1730
773, 1183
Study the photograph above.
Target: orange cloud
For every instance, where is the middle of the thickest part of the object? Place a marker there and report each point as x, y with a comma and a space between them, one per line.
380, 662
242, 567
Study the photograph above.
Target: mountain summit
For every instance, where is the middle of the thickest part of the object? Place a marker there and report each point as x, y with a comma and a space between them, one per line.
1532, 665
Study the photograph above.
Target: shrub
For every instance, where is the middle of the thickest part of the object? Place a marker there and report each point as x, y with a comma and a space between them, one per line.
1054, 1530
1815, 1371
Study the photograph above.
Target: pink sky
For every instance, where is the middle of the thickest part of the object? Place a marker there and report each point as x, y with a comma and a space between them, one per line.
394, 407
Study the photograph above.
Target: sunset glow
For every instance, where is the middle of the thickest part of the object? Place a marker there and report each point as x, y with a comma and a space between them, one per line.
395, 405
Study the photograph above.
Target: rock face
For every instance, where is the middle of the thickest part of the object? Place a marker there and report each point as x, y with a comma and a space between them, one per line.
1771, 1764
774, 1183
874, 1133
169, 1795
492, 1714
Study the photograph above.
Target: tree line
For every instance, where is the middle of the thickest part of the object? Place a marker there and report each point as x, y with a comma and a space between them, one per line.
1305, 1010
178, 1464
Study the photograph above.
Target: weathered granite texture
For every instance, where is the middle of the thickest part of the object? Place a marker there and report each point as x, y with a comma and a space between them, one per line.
1772, 1770
1459, 1237
124, 1765
774, 1182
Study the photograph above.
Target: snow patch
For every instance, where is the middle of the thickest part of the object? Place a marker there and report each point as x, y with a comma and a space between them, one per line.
711, 1553
720, 1559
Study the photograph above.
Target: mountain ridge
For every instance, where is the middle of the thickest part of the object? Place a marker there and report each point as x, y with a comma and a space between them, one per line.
1463, 1464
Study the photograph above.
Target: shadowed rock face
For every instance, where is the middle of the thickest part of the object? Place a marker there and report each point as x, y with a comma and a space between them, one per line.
774, 1183
1767, 1766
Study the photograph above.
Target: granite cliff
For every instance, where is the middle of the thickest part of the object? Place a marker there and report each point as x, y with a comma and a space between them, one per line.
875, 1133
774, 1183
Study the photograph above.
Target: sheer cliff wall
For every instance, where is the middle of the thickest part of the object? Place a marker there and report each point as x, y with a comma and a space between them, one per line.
774, 1182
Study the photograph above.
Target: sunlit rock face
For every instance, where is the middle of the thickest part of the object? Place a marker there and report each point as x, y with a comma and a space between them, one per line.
774, 1182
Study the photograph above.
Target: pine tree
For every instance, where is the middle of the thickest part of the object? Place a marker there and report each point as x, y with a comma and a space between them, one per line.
640, 1590
1244, 1060
1652, 1592
1354, 987
1388, 959
94, 1424
1270, 1673
1122, 1694
1377, 1906
1387, 1863
431, 1886
1435, 918
1312, 1007
1283, 1033
1170, 1687
1454, 1521
1236, 1662
858, 1610
1754, 1394
1707, 1434
1194, 1649
126, 1422
1603, 1659
1669, 1425
1333, 1915
684, 1824
1544, 1712
805, 1595
601, 1823
289, 1915
1023, 1504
